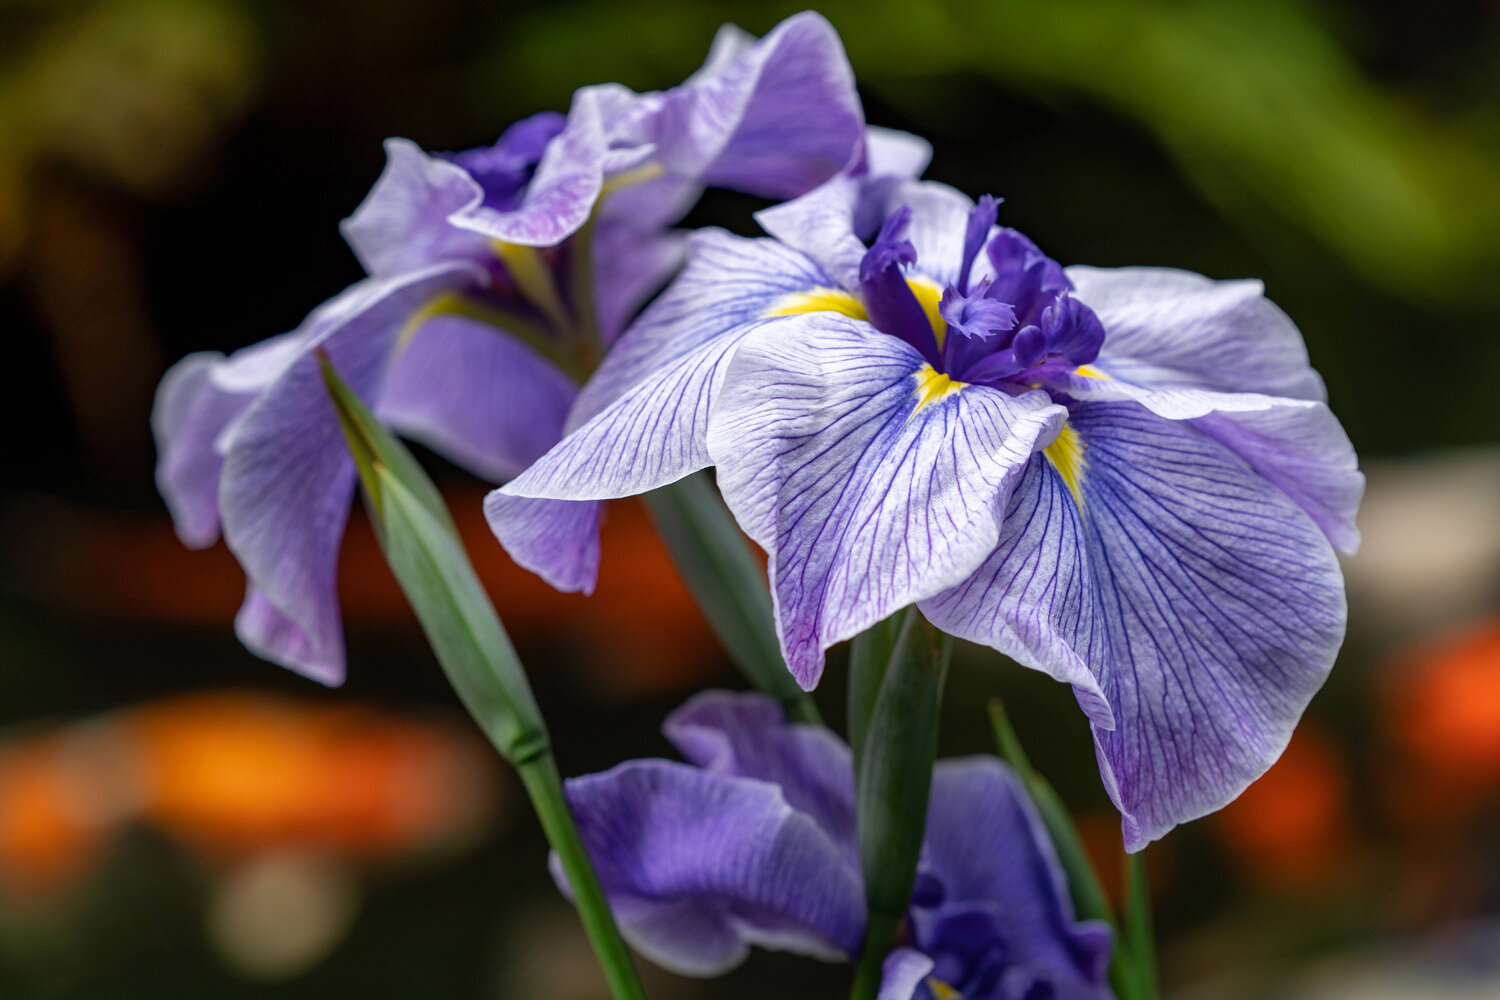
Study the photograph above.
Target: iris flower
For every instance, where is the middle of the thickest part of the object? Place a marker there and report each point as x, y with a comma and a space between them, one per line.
496, 276
1127, 478
753, 843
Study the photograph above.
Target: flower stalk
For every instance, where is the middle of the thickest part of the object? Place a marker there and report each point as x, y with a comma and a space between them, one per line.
429, 562
894, 781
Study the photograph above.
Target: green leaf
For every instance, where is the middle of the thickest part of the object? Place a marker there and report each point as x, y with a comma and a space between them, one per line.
461, 625
1139, 939
727, 582
373, 446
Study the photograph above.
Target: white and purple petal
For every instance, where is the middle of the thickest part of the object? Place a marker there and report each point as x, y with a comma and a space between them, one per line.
699, 866
870, 484
1171, 328
1220, 354
641, 421
1205, 606
402, 224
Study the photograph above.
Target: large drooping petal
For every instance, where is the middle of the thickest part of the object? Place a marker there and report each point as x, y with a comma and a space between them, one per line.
287, 479
777, 119
402, 224
558, 540
1221, 354
476, 395
987, 846
641, 421
1204, 606
699, 866
748, 736
187, 418
1298, 444
871, 481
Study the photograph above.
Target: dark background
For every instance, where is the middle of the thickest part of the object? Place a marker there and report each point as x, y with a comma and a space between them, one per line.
172, 173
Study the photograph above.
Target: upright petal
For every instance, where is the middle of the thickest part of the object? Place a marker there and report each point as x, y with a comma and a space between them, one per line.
872, 481
891, 152
1205, 605
748, 736
189, 414
288, 479
558, 540
832, 223
986, 845
698, 867
824, 224
1171, 328
476, 395
567, 182
776, 120
402, 225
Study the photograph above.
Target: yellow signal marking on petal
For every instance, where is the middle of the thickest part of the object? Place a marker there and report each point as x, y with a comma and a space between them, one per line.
533, 277
929, 295
636, 175
933, 386
820, 300
442, 304
1088, 371
1066, 456
942, 991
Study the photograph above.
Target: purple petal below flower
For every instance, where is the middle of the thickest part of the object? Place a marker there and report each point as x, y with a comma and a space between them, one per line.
700, 866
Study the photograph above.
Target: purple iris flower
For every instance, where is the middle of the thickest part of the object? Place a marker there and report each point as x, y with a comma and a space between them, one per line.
496, 277
1128, 478
753, 843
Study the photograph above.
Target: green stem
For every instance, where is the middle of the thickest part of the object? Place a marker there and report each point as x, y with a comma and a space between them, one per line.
581, 292
869, 658
893, 784
1139, 939
544, 785
867, 975
726, 580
